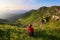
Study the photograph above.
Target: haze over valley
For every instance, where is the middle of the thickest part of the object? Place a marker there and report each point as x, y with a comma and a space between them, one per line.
11, 15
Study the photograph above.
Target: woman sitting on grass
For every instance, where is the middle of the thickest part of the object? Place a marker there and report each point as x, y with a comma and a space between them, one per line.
30, 30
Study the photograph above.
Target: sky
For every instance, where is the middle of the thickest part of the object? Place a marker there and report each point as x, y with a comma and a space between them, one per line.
26, 4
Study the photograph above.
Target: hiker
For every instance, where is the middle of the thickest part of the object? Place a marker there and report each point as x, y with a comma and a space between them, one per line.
30, 30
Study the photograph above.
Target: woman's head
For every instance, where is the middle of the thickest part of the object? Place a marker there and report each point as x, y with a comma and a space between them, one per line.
30, 25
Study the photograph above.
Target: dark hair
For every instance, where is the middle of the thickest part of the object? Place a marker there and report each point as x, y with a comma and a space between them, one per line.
30, 25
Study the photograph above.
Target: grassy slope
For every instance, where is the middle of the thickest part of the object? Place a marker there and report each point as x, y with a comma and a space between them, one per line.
49, 31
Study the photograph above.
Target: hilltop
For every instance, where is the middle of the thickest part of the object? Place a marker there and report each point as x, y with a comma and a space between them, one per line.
35, 16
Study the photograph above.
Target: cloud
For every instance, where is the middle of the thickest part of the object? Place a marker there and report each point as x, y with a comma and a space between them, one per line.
15, 7
16, 4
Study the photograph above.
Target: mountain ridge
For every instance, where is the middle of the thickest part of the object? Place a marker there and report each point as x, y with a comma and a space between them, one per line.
35, 17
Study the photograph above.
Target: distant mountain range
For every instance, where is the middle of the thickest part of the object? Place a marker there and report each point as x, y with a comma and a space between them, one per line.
11, 15
16, 11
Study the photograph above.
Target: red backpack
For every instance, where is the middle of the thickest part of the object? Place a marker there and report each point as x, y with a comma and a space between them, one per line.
30, 29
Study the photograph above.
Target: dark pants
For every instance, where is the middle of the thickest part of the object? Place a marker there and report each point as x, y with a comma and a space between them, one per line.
31, 33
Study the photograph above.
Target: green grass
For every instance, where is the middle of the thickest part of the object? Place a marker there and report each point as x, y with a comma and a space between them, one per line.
21, 34
48, 31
